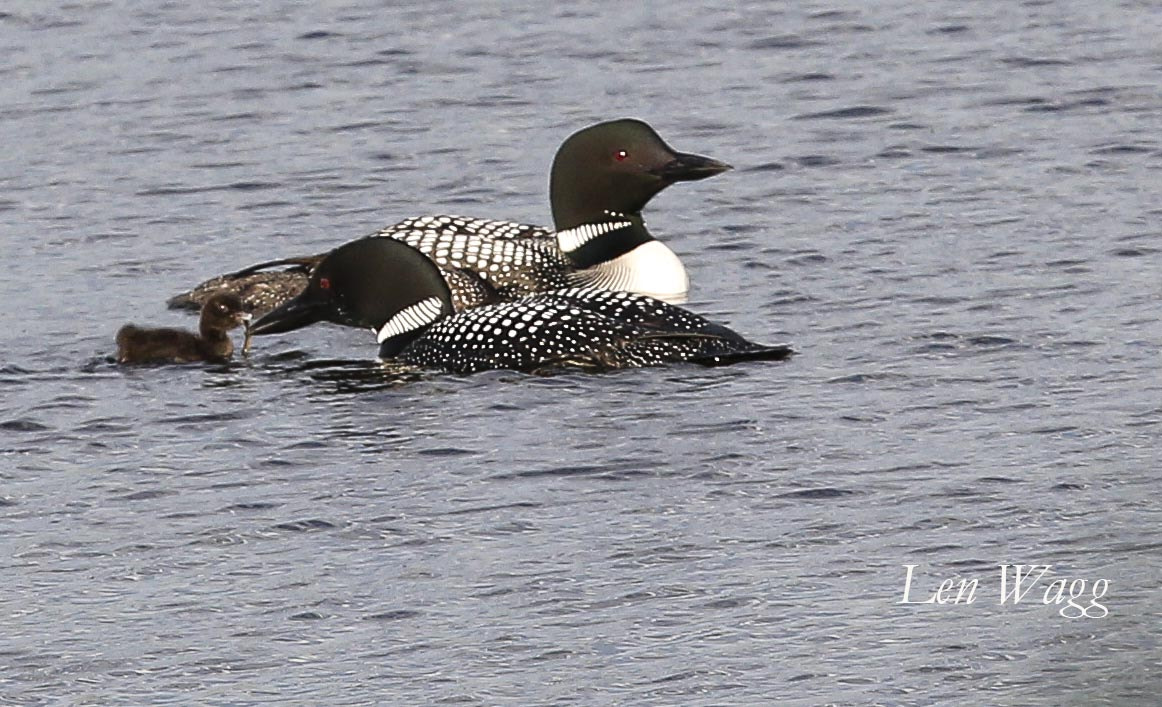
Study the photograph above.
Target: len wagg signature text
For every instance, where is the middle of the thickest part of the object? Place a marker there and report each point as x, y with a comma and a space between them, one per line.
1079, 596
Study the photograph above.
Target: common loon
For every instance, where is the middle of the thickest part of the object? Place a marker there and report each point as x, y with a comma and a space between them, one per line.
221, 313
601, 179
398, 293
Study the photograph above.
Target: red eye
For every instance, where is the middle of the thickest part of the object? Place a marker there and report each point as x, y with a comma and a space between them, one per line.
620, 155
324, 283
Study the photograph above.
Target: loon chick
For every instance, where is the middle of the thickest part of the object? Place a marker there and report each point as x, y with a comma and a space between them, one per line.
399, 293
601, 178
221, 313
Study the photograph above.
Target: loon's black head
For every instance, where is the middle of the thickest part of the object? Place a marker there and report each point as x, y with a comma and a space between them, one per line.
379, 283
617, 166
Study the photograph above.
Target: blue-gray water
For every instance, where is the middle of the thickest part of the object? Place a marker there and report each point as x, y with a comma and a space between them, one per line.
951, 209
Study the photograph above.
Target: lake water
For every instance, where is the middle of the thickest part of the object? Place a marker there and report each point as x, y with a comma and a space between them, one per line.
950, 209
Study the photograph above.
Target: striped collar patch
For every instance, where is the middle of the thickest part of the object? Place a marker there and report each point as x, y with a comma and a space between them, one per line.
571, 239
410, 318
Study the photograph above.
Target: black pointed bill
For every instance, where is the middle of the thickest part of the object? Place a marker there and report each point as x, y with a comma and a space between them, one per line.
687, 168
297, 313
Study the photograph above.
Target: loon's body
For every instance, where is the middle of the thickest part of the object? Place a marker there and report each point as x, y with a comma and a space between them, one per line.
400, 294
581, 328
221, 313
601, 179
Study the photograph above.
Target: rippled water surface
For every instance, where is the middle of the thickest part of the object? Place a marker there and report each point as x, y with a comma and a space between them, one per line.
951, 209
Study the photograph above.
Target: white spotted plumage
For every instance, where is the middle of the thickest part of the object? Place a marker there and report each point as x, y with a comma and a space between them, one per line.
514, 258
581, 327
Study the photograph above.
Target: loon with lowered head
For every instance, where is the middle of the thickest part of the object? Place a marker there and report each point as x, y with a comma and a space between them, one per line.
397, 292
601, 178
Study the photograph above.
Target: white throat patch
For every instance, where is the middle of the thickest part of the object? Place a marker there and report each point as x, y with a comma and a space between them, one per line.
410, 318
650, 269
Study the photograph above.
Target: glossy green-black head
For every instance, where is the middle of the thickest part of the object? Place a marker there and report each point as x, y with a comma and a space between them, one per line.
379, 283
617, 166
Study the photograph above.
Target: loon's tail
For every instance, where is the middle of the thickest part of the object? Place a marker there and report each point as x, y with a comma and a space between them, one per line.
755, 352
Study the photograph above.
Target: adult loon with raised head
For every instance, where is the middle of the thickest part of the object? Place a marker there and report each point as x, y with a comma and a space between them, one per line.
398, 293
601, 179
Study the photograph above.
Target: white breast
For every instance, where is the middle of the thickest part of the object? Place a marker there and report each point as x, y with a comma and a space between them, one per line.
650, 269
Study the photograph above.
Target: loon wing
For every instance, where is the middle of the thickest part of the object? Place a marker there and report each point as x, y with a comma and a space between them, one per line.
516, 259
469, 290
482, 227
259, 289
302, 263
643, 311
